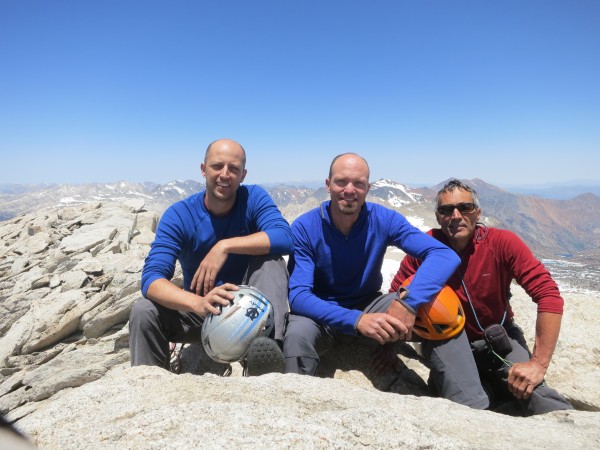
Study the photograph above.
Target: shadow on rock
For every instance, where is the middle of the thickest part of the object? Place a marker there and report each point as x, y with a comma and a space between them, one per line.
352, 360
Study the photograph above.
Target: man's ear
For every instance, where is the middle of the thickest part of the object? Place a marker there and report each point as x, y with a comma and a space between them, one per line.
437, 217
327, 184
243, 175
203, 169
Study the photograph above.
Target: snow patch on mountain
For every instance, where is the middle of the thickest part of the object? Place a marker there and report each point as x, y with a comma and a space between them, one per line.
395, 194
173, 186
139, 194
68, 200
393, 185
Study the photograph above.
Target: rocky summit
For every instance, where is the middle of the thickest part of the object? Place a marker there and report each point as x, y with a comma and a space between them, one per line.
68, 279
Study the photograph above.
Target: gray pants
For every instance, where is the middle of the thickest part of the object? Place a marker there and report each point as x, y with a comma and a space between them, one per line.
469, 374
152, 326
306, 340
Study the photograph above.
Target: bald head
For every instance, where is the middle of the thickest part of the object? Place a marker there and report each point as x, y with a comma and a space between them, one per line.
349, 158
225, 144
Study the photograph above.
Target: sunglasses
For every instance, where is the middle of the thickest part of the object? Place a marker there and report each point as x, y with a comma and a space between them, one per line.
463, 208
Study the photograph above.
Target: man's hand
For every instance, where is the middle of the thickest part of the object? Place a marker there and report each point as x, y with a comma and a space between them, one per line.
219, 296
524, 377
206, 275
381, 327
402, 313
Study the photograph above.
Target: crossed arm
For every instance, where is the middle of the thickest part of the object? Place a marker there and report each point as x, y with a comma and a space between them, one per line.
206, 274
204, 297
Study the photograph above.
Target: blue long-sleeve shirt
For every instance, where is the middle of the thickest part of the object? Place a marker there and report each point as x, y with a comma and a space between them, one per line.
332, 273
187, 231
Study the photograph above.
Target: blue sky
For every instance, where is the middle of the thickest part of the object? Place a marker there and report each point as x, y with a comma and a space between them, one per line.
102, 91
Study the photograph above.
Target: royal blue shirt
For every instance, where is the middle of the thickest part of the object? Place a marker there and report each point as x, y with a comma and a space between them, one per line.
333, 273
187, 231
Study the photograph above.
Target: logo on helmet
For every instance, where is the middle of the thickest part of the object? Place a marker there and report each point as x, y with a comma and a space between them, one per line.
252, 313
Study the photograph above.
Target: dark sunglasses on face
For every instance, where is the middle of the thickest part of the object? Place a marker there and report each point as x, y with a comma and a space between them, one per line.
463, 208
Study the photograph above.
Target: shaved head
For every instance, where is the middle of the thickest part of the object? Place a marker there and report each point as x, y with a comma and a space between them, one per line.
343, 155
225, 142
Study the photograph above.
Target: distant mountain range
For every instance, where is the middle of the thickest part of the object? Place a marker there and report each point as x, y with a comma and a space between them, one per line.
552, 227
558, 191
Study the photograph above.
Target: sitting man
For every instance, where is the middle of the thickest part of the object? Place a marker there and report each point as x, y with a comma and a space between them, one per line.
336, 275
490, 259
227, 235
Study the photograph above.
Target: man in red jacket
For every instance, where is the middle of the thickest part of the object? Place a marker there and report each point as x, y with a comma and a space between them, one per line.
480, 370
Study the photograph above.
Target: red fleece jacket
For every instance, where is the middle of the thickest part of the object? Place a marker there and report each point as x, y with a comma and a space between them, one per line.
488, 266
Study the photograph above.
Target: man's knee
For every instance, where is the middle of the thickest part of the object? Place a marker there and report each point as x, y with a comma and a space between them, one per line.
271, 267
144, 314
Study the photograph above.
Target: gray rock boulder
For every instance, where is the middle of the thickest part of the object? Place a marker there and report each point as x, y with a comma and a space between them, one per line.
146, 407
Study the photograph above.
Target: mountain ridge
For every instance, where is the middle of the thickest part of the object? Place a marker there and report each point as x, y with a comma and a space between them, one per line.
553, 190
551, 227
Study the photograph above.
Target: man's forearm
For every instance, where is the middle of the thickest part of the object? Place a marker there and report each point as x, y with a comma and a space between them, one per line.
253, 244
547, 329
167, 294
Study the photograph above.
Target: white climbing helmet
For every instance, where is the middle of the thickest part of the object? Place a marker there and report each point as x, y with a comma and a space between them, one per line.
227, 336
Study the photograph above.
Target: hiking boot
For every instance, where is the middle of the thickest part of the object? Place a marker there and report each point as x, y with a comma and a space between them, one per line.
264, 356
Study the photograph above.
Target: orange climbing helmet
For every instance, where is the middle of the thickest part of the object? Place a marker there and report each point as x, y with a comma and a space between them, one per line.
441, 318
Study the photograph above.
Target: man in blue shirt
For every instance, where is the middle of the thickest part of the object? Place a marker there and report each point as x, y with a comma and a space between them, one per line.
227, 235
336, 275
